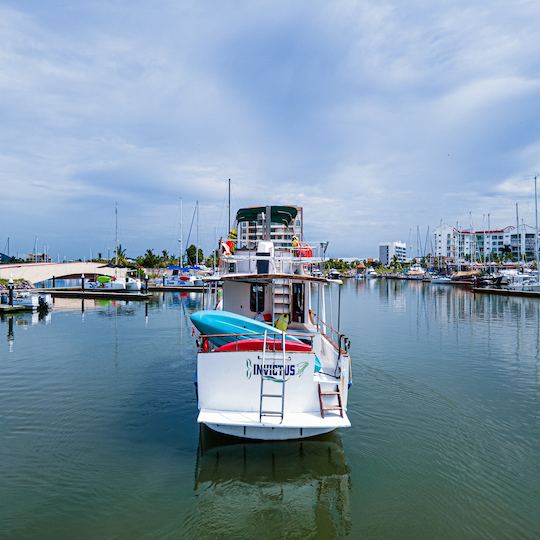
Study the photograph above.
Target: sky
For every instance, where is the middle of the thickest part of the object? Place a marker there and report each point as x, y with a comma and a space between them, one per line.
377, 117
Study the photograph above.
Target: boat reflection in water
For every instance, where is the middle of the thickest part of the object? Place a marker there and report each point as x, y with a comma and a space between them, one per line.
281, 489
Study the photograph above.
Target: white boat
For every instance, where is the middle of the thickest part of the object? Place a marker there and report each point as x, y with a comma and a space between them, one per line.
30, 299
272, 391
107, 283
334, 274
415, 272
523, 282
183, 277
441, 280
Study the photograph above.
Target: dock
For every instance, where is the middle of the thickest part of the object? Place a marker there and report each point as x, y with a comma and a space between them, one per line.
174, 288
106, 295
6, 308
506, 292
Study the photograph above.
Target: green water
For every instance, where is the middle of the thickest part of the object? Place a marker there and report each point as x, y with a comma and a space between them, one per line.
98, 433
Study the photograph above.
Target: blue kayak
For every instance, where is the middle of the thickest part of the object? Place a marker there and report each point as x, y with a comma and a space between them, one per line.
210, 322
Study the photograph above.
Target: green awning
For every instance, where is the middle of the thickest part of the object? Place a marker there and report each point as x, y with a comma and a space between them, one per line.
284, 215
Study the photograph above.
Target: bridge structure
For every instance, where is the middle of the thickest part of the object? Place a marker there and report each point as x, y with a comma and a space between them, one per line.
37, 272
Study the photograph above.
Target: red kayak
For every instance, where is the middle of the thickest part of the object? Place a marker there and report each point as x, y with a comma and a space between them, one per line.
257, 345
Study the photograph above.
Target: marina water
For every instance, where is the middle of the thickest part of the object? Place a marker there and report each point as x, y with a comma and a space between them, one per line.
98, 432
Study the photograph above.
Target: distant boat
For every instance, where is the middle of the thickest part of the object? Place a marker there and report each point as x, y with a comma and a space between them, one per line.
334, 274
415, 272
441, 280
184, 277
108, 283
30, 300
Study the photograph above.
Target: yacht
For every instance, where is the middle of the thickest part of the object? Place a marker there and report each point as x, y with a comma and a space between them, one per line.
108, 283
271, 362
183, 277
415, 272
29, 299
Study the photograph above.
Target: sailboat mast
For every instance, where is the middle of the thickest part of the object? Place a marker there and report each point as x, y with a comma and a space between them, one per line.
536, 235
181, 240
229, 229
517, 230
197, 236
116, 234
488, 255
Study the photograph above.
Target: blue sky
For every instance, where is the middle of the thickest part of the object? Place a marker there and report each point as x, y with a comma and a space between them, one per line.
375, 116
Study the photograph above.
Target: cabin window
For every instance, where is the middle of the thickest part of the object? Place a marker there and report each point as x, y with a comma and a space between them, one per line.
256, 298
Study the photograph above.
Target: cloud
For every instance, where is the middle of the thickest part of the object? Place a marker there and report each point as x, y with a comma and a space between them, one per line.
375, 116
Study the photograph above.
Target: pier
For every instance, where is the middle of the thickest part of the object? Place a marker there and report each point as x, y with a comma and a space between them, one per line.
506, 292
107, 295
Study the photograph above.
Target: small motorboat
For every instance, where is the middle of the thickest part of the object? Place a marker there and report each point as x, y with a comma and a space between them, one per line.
29, 299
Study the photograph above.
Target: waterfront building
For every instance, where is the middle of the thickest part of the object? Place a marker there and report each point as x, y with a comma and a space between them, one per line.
466, 244
250, 232
38, 258
389, 250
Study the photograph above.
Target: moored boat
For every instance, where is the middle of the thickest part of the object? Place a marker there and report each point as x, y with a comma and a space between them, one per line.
292, 379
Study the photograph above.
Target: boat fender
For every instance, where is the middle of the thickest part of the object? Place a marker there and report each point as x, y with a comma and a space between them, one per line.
226, 249
282, 322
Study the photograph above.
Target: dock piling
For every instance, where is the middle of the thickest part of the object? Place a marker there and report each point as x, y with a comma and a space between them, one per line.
11, 287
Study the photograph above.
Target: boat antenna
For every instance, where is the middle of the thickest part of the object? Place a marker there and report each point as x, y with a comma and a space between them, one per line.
536, 235
229, 229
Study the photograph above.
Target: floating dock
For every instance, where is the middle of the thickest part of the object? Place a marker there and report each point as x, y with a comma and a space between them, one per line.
6, 308
506, 292
107, 295
174, 288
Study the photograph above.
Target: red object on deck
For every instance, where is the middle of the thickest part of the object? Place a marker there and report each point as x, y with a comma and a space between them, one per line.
257, 345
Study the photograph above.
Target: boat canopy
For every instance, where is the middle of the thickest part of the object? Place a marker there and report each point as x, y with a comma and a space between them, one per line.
284, 215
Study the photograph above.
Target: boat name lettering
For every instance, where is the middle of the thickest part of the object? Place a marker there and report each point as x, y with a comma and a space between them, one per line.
273, 370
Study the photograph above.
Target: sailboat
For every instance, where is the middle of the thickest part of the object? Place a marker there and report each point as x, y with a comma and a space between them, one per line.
271, 362
109, 283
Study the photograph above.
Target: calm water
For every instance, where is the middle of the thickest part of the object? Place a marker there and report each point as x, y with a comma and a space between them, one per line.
98, 433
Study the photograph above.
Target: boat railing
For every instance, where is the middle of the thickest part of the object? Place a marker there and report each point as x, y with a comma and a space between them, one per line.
337, 339
273, 342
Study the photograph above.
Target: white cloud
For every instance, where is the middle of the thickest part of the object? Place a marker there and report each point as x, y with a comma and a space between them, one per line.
376, 116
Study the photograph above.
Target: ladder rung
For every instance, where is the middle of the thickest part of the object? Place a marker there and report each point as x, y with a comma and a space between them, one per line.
272, 395
270, 413
330, 393
337, 408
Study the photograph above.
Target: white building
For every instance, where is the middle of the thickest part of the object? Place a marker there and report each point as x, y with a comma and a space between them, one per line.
249, 232
456, 244
387, 251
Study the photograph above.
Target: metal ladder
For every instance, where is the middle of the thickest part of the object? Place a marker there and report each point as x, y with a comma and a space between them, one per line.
281, 297
336, 392
270, 378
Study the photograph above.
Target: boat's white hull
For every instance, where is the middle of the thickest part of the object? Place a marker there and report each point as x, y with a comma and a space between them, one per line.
268, 433
237, 412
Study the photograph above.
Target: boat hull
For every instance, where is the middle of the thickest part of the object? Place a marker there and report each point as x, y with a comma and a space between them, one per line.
268, 433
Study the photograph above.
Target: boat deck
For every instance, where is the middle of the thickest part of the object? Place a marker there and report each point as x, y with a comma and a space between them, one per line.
298, 420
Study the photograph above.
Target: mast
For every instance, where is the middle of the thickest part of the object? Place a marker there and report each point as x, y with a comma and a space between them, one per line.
536, 235
181, 239
490, 242
197, 235
229, 207
116, 235
517, 229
